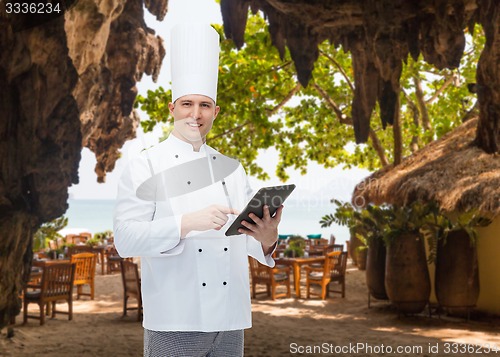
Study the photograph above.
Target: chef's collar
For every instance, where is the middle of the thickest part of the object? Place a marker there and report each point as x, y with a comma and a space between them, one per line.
183, 146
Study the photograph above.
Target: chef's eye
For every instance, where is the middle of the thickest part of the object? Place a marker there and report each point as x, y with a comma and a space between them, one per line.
186, 104
205, 105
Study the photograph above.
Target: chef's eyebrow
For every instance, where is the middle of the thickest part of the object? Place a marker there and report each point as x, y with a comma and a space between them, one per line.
203, 102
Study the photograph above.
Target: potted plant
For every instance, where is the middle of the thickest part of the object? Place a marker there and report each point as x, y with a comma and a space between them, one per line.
103, 237
407, 280
295, 247
48, 231
452, 241
347, 215
375, 220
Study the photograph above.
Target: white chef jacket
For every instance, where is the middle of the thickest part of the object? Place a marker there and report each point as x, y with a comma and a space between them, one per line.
199, 283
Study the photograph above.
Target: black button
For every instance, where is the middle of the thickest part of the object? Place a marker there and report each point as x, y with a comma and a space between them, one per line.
224, 283
176, 156
189, 182
223, 182
214, 157
204, 284
200, 250
225, 249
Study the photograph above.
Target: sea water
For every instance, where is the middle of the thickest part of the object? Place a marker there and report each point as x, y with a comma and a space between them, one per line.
299, 217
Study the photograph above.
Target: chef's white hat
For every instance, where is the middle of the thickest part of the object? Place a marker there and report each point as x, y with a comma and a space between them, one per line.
194, 53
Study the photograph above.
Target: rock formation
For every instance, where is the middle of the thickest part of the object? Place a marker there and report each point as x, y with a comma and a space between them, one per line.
380, 35
65, 82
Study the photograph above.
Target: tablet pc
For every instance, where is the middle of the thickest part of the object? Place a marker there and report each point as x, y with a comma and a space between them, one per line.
273, 196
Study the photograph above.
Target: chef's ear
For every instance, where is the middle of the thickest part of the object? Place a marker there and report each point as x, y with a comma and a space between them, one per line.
171, 108
217, 109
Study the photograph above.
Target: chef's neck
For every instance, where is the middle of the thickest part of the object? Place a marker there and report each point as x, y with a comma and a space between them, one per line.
197, 144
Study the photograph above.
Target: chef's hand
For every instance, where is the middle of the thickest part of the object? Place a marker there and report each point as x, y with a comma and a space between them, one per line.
265, 229
211, 217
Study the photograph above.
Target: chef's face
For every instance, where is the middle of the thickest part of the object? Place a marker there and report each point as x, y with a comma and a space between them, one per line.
193, 115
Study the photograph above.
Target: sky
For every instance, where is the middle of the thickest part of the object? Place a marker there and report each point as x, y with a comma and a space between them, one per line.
318, 183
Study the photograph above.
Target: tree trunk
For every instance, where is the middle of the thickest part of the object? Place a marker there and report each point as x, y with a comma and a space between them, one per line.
488, 79
398, 138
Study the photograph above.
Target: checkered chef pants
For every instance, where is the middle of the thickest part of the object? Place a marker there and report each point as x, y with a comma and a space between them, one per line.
193, 343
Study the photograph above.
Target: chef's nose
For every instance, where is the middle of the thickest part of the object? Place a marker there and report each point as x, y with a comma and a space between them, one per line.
196, 111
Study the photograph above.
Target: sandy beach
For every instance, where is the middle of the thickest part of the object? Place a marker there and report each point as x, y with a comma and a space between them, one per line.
285, 327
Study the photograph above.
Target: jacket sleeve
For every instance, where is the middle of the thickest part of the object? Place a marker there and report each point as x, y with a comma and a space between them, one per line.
137, 231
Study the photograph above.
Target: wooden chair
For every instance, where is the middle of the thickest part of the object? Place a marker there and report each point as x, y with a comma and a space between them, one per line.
56, 284
131, 286
113, 260
338, 274
333, 248
321, 242
271, 277
84, 273
78, 239
333, 270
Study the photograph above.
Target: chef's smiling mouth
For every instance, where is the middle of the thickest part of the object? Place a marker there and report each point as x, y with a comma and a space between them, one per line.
194, 125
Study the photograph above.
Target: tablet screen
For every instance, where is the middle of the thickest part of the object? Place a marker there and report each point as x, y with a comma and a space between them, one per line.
273, 196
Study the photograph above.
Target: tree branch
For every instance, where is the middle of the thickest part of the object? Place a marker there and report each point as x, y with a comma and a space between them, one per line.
398, 139
340, 68
416, 121
449, 80
284, 65
232, 129
422, 106
344, 119
270, 111
378, 147
280, 105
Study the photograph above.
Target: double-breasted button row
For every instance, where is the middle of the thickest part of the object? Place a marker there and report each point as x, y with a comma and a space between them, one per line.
201, 250
223, 283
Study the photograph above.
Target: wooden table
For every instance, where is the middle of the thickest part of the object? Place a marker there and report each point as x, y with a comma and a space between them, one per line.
101, 250
296, 264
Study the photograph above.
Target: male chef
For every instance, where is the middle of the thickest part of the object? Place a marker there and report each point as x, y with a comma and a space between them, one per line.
175, 202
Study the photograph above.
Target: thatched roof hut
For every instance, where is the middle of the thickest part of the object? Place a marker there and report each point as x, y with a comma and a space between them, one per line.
452, 171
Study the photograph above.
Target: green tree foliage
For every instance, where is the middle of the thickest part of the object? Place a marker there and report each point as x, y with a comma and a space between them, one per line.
48, 231
262, 106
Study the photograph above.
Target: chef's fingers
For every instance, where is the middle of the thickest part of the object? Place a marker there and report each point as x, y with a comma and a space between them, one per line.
218, 227
227, 210
245, 231
249, 227
277, 215
267, 215
219, 220
257, 219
